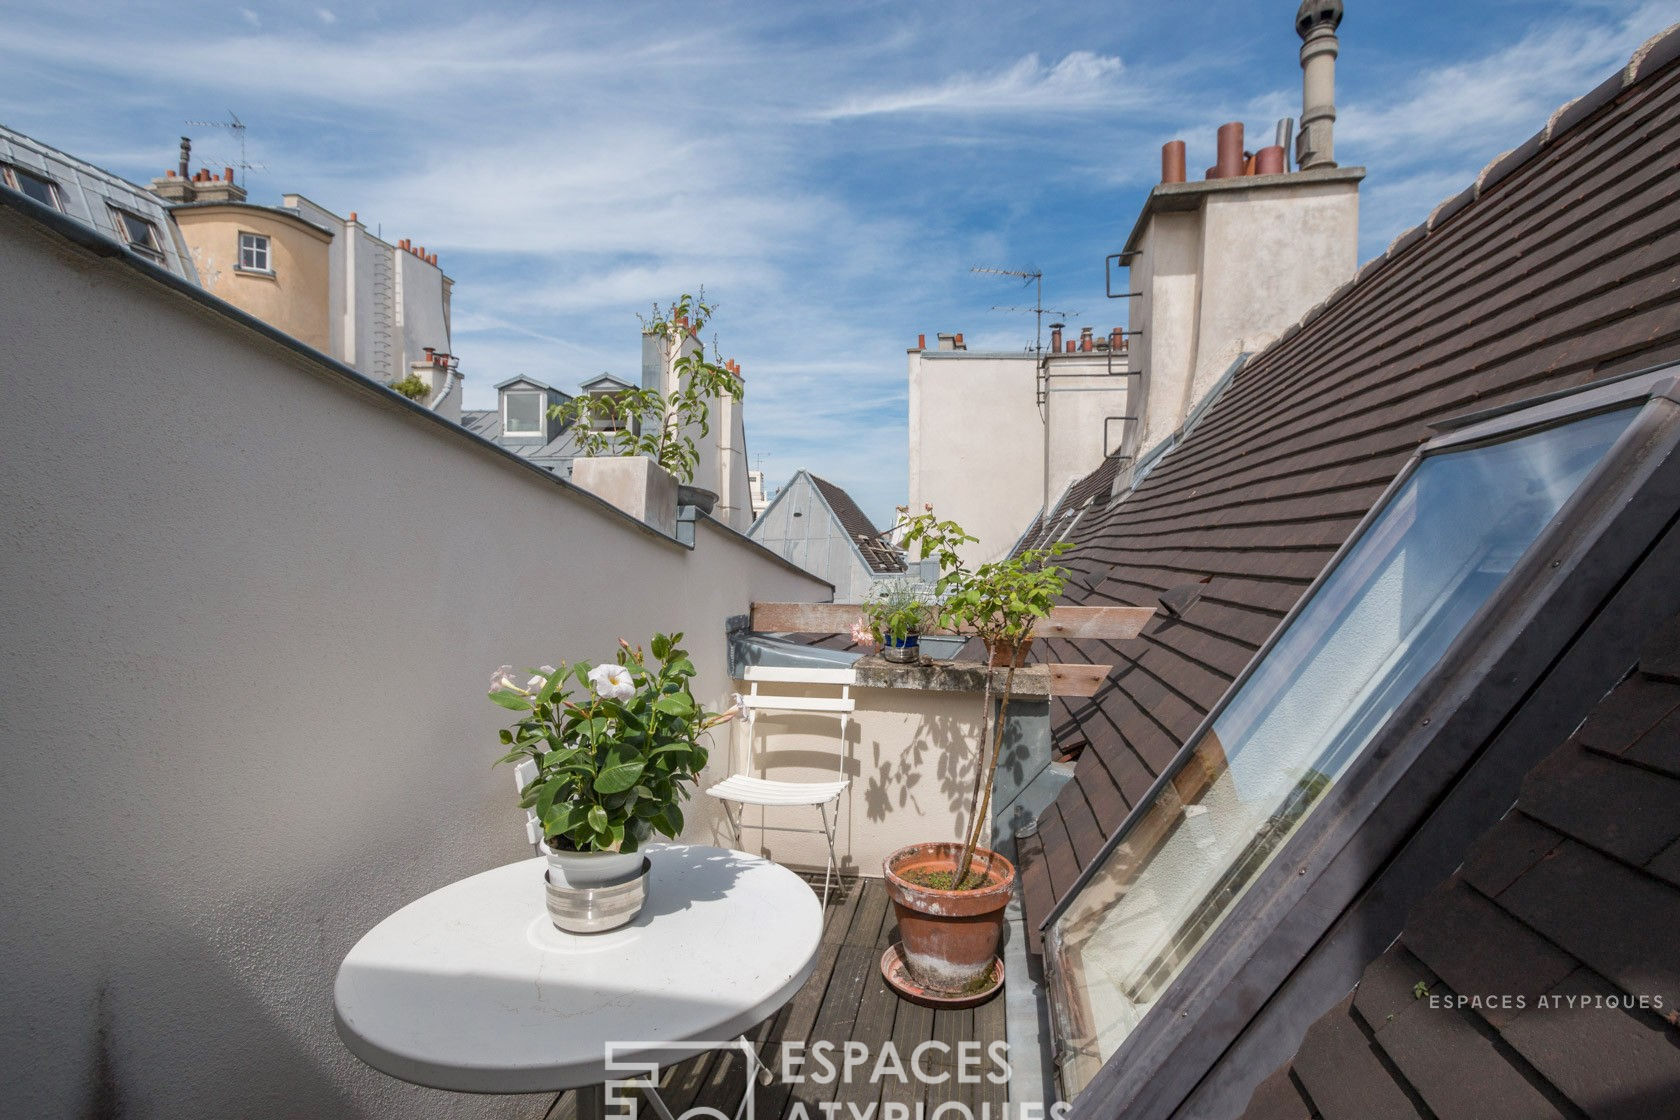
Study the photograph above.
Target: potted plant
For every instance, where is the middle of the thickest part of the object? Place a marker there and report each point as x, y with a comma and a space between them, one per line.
950, 895
895, 614
614, 764
662, 426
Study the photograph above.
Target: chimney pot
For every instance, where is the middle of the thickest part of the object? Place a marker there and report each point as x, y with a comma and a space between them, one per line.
169, 174
1070, 346
1085, 339
1117, 339
1229, 165
1055, 338
1269, 161
352, 215
961, 345
1172, 161
921, 342
227, 174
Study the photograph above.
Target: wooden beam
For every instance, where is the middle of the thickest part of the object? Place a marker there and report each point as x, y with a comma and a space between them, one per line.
1076, 680
1112, 623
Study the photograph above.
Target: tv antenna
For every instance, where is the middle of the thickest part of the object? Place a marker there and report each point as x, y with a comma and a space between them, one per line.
235, 128
1036, 278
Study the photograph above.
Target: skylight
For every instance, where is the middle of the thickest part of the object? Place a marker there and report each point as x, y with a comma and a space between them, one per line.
1439, 547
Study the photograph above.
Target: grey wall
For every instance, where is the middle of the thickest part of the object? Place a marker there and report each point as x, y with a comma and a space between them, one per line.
250, 611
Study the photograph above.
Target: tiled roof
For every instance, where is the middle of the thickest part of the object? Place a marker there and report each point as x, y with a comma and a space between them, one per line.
877, 553
1559, 266
1557, 935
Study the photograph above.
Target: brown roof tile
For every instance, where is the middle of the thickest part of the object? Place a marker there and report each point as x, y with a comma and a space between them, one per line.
1560, 269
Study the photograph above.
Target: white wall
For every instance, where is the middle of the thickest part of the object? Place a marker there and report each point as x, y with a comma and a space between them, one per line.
982, 451
241, 725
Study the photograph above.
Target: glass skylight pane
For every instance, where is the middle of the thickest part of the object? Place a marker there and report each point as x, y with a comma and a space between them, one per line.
1366, 639
524, 414
37, 187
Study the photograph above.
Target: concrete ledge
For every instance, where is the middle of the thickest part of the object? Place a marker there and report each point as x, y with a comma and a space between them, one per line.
1032, 682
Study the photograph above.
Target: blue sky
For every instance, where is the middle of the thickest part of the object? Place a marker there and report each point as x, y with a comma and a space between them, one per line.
829, 171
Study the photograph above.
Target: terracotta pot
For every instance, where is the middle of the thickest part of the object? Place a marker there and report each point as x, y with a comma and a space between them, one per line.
1002, 653
949, 937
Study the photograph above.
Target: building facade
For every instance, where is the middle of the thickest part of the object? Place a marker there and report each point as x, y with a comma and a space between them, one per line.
818, 526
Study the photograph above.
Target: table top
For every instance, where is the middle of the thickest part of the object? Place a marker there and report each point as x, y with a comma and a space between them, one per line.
472, 988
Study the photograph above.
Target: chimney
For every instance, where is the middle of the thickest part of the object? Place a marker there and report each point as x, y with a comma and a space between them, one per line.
921, 342
960, 344
186, 156
1056, 337
1316, 22
1229, 165
1085, 340
1117, 339
947, 341
1172, 161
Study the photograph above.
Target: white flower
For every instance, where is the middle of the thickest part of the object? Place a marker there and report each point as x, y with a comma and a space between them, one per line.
612, 682
502, 678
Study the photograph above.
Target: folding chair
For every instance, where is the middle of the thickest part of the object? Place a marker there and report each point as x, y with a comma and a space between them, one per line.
745, 788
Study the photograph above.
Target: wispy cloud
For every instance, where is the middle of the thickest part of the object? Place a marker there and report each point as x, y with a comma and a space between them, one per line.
1081, 80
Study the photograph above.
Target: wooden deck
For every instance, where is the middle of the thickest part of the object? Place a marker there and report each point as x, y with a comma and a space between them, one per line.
847, 1000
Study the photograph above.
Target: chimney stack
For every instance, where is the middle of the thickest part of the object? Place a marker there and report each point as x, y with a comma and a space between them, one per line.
186, 155
1316, 22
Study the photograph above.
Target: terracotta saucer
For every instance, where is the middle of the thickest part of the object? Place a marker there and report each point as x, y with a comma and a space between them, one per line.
892, 967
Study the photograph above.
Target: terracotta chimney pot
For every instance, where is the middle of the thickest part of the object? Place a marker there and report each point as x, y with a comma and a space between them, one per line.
169, 174
1085, 340
352, 215
227, 174
921, 342
1229, 165
1269, 161
1055, 340
1172, 161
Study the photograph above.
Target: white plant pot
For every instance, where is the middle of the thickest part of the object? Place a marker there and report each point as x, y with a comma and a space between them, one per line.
586, 870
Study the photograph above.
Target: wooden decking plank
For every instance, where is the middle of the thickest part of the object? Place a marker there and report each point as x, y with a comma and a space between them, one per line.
876, 1012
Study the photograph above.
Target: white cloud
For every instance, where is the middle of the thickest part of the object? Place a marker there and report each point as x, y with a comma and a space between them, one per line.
326, 16
1081, 80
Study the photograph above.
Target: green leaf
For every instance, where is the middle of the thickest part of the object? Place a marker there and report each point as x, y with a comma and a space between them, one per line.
619, 777
511, 700
598, 819
674, 704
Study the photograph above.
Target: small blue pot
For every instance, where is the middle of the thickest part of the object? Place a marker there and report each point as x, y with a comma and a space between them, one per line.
905, 651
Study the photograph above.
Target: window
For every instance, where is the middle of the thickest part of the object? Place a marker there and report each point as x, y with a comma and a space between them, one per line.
253, 253
522, 413
1289, 730
141, 234
38, 187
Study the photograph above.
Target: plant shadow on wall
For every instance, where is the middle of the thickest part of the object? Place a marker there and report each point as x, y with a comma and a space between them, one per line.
937, 742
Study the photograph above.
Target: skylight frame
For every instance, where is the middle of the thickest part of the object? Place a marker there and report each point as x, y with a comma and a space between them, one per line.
1227, 981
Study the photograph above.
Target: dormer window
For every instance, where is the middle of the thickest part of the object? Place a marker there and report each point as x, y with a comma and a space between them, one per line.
142, 235
38, 187
522, 412
254, 255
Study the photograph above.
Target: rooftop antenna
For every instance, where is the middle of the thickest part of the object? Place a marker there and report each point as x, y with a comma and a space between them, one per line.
1036, 277
235, 128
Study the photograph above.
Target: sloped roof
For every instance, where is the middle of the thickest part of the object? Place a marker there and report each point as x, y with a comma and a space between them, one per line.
1569, 903
1556, 267
877, 553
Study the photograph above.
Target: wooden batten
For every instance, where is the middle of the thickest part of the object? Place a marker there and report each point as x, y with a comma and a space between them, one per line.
1111, 623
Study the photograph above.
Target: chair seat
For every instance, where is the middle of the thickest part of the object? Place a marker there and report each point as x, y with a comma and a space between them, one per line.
748, 790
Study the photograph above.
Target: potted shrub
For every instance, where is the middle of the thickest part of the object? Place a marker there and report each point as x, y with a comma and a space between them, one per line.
659, 425
895, 614
613, 764
950, 895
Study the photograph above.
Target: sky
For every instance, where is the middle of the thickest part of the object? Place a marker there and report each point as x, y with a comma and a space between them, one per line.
830, 173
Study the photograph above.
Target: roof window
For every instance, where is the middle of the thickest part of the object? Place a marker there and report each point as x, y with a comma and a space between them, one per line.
38, 187
140, 233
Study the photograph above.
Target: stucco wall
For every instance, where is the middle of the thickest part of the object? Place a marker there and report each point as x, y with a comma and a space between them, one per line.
982, 451
294, 298
250, 619
911, 761
977, 444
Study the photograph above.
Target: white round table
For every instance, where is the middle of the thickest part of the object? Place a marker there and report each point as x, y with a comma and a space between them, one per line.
471, 988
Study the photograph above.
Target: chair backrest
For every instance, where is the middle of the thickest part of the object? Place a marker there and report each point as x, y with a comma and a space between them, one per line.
523, 775
756, 700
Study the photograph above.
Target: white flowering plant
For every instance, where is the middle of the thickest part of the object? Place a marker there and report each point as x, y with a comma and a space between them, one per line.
616, 761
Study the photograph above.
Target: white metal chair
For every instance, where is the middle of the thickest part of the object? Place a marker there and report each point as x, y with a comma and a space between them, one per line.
745, 788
